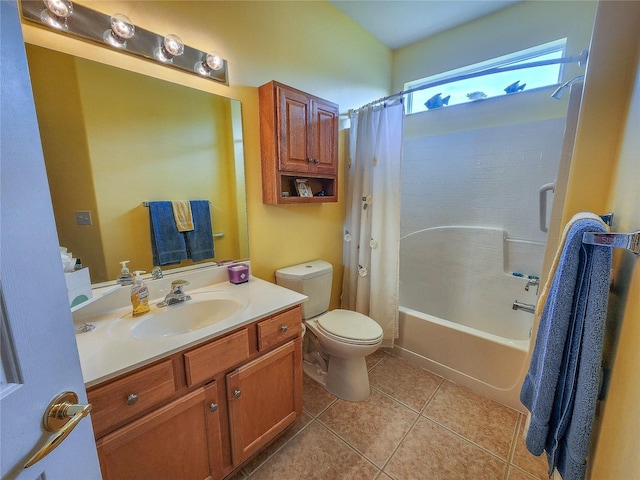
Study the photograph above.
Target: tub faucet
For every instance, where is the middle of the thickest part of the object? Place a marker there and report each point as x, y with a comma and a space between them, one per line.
524, 307
533, 282
176, 295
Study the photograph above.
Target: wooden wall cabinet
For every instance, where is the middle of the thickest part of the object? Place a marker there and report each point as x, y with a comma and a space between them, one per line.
299, 140
201, 413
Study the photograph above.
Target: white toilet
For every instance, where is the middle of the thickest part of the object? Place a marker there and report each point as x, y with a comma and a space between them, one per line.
336, 342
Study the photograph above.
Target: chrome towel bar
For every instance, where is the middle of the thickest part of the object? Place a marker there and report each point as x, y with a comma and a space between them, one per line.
628, 241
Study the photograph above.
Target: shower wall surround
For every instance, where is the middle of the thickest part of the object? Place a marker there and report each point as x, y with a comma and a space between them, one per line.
486, 177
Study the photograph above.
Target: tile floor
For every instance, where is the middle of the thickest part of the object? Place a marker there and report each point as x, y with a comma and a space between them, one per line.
415, 425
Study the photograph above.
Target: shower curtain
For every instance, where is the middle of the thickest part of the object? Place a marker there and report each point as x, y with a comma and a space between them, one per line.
372, 225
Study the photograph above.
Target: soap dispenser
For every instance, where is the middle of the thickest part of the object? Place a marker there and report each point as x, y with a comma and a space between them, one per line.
139, 295
125, 277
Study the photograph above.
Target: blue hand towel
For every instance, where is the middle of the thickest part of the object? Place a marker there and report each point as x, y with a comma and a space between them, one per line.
562, 385
200, 239
168, 246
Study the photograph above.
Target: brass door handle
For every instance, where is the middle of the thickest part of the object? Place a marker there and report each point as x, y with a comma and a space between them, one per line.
61, 416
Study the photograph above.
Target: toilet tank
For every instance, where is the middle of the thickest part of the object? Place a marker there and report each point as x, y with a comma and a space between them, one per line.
312, 279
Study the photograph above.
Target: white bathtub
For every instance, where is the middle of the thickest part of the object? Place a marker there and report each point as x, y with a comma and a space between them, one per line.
471, 335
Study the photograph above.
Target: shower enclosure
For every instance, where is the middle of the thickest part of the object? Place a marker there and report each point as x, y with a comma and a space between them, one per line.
472, 246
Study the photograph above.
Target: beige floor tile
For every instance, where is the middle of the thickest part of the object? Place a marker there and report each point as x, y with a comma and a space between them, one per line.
432, 452
374, 358
516, 474
301, 422
477, 418
315, 398
405, 382
383, 476
525, 460
316, 453
374, 426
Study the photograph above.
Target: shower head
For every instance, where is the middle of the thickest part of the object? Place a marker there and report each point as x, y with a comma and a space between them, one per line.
559, 92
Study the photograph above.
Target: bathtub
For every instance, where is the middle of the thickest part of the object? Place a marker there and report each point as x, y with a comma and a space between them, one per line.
456, 317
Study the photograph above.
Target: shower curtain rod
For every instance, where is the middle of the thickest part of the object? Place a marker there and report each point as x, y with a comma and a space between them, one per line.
580, 59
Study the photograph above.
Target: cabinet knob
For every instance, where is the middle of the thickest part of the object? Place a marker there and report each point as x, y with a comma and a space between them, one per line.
237, 393
132, 399
316, 160
284, 328
213, 407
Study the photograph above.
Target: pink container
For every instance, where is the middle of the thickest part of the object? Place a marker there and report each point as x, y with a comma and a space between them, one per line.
238, 273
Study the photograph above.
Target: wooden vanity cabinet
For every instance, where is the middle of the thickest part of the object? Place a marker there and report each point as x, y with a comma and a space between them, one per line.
299, 140
178, 441
202, 412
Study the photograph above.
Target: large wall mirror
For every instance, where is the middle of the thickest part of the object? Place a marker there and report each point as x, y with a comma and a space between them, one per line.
114, 139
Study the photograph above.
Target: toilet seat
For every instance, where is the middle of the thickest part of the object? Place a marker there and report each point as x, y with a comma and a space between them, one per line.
350, 327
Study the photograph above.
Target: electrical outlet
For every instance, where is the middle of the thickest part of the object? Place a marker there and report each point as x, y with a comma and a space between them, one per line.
83, 217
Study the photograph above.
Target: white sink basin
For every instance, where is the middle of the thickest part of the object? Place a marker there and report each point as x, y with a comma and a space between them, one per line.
204, 309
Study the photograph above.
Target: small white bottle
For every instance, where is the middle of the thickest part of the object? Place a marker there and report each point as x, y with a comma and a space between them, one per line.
125, 277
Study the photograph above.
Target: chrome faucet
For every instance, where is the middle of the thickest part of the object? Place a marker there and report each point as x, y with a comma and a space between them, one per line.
156, 273
533, 282
176, 295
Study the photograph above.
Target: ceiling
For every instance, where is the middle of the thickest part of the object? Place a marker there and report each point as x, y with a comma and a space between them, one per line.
398, 23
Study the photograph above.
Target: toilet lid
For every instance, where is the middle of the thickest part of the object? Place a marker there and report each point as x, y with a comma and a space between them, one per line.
351, 326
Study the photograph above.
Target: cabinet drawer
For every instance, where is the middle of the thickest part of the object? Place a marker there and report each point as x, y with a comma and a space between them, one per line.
204, 362
124, 398
278, 328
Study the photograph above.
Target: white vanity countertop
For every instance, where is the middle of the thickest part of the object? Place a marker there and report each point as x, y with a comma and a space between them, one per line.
105, 355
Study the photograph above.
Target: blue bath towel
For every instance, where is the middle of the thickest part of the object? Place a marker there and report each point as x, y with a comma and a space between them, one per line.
563, 382
200, 239
168, 245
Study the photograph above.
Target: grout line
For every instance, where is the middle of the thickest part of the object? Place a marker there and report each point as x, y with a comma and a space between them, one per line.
247, 475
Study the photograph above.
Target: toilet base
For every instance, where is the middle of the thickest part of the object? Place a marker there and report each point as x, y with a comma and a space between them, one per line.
348, 378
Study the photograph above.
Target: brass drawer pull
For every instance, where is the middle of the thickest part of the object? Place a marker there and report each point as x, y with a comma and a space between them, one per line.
132, 399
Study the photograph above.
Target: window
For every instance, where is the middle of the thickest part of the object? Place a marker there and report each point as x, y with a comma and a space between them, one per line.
493, 85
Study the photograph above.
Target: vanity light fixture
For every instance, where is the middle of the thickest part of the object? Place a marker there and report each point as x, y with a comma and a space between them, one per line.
82, 22
121, 30
56, 13
171, 47
211, 63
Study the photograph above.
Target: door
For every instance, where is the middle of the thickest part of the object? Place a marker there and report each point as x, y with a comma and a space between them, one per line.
293, 129
39, 355
324, 137
264, 398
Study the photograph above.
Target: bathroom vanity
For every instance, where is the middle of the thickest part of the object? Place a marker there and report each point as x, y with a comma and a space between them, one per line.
195, 404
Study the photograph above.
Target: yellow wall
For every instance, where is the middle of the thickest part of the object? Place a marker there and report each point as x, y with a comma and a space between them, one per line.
64, 143
308, 45
605, 176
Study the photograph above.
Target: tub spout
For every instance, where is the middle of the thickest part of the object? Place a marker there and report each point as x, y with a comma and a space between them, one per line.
524, 306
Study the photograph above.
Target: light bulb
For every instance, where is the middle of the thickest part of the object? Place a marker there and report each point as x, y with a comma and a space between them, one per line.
171, 47
56, 13
212, 62
121, 29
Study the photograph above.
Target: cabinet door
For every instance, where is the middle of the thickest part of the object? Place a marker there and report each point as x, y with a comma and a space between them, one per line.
324, 137
293, 120
264, 397
179, 441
